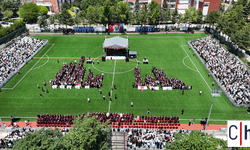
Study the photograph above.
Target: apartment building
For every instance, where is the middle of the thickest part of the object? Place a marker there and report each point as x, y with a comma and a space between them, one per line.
52, 5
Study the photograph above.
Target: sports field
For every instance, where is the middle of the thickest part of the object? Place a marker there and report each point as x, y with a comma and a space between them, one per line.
169, 52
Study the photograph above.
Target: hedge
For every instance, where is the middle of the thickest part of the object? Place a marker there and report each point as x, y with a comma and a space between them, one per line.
16, 25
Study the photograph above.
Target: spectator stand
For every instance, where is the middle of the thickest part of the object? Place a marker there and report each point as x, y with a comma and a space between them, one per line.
215, 79
40, 46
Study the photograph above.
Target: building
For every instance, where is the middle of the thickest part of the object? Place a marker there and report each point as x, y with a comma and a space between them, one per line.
52, 5
181, 5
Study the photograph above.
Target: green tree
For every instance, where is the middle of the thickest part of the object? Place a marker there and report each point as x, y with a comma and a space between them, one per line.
165, 15
154, 12
143, 15
133, 17
190, 15
66, 6
77, 20
212, 17
137, 6
242, 37
39, 139
197, 140
52, 20
107, 5
174, 16
42, 22
88, 134
28, 11
43, 9
65, 18
8, 13
222, 7
7, 5
199, 17
92, 15
164, 5
57, 19
122, 12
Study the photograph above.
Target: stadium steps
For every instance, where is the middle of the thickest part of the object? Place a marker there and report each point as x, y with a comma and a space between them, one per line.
117, 141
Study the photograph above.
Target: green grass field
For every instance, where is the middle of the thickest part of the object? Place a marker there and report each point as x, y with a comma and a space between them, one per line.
162, 51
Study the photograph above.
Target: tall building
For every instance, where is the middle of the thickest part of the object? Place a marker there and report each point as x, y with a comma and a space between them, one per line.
181, 5
52, 5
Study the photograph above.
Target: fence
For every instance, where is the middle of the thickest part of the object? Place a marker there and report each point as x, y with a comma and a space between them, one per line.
22, 65
215, 79
12, 35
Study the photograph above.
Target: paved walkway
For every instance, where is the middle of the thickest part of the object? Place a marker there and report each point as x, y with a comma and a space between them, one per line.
184, 126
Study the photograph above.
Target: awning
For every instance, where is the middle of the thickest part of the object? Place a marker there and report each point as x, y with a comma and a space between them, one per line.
115, 43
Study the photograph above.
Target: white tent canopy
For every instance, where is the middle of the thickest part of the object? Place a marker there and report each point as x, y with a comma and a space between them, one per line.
115, 42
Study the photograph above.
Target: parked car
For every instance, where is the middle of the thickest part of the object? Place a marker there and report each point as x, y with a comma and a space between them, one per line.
3, 22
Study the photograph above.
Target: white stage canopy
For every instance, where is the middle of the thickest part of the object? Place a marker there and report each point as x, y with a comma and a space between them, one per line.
115, 42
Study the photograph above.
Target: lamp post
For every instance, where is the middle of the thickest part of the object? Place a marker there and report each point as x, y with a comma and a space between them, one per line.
215, 92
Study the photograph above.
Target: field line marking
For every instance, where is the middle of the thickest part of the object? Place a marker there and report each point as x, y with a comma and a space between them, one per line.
195, 66
31, 68
187, 65
112, 85
42, 64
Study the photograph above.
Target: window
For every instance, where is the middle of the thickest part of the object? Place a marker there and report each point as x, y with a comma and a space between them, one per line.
206, 4
172, 6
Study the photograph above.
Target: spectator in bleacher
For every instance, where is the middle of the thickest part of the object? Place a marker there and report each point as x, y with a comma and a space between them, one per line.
227, 68
13, 56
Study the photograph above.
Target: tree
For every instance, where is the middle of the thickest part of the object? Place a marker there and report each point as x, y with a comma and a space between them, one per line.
42, 22
7, 5
242, 37
154, 12
199, 17
65, 18
92, 15
58, 19
43, 9
122, 12
212, 17
28, 11
52, 20
174, 16
143, 15
8, 13
197, 140
137, 6
165, 15
40, 139
165, 4
190, 15
87, 134
66, 6
77, 20
222, 7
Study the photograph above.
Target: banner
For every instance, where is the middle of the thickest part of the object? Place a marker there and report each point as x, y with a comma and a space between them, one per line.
115, 27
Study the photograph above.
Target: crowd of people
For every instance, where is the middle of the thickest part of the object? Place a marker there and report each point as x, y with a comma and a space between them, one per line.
73, 74
150, 138
229, 71
93, 82
67, 120
160, 78
138, 80
157, 119
13, 56
16, 134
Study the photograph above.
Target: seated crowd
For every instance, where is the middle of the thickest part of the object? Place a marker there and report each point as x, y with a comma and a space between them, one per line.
67, 120
16, 134
160, 78
13, 56
155, 119
150, 138
229, 71
73, 74
138, 80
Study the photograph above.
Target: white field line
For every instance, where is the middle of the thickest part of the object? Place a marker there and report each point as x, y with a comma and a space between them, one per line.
42, 64
29, 70
195, 66
112, 85
187, 65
